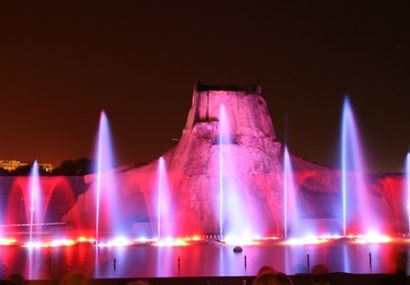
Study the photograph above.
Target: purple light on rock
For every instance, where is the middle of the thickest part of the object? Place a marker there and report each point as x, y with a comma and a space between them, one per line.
237, 219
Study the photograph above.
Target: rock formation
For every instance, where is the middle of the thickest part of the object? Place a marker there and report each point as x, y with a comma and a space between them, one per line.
254, 156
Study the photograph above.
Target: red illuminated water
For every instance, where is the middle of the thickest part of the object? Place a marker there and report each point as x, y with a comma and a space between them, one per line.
202, 259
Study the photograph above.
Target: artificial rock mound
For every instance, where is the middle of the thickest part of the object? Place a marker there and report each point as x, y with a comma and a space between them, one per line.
252, 159
252, 165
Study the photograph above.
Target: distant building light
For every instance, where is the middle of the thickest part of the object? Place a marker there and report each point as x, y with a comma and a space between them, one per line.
12, 165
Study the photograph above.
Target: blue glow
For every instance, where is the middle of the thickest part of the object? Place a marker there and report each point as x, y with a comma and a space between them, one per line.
236, 215
291, 211
107, 208
35, 200
357, 215
343, 166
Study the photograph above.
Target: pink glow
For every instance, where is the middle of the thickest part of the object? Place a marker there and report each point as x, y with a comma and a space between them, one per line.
237, 216
225, 178
407, 186
35, 208
163, 203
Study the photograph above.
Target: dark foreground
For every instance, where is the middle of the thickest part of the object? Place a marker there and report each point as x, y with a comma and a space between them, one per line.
333, 278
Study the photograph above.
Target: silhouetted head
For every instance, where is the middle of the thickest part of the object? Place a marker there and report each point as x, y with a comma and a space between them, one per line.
17, 279
265, 269
268, 276
320, 274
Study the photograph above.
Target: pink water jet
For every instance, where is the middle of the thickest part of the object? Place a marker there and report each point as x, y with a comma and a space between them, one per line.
407, 186
163, 203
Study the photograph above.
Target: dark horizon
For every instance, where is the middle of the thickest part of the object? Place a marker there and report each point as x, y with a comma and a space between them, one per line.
63, 63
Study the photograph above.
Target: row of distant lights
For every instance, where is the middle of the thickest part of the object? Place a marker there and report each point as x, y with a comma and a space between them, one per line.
360, 239
117, 242
231, 240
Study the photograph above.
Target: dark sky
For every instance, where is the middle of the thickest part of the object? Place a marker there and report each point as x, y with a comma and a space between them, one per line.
61, 62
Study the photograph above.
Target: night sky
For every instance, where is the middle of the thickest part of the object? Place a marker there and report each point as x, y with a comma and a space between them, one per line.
62, 62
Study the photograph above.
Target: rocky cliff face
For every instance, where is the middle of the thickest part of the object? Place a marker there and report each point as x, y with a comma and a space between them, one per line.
251, 162
252, 179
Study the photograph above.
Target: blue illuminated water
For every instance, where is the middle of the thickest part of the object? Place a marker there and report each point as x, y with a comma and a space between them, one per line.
35, 208
357, 215
291, 211
107, 203
237, 218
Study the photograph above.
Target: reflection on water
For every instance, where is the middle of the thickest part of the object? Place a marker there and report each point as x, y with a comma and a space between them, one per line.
203, 259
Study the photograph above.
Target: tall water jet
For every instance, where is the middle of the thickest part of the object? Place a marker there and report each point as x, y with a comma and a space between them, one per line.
35, 200
164, 215
357, 216
290, 209
234, 213
407, 186
107, 216
223, 139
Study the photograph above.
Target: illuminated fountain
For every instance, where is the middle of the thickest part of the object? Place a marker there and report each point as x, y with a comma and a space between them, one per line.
357, 214
291, 209
108, 218
163, 203
234, 214
35, 207
224, 138
228, 178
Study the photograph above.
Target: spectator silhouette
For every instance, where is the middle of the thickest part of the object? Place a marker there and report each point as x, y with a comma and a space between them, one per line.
320, 275
17, 279
268, 276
